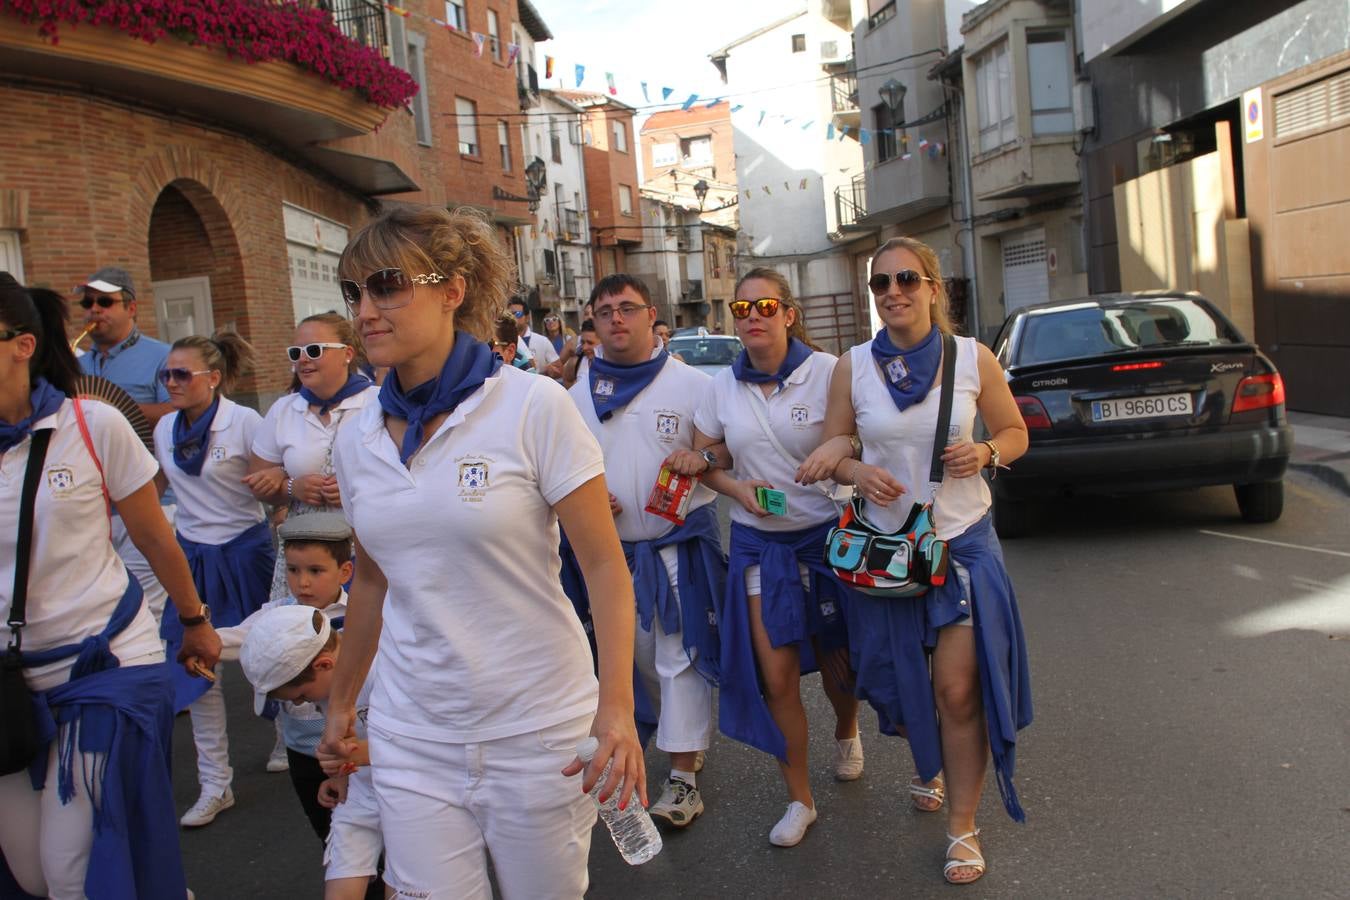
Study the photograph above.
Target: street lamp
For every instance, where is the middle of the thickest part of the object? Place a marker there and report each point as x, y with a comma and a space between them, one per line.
701, 192
893, 95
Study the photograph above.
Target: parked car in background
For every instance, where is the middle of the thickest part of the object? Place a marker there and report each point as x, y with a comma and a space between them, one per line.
1140, 392
710, 352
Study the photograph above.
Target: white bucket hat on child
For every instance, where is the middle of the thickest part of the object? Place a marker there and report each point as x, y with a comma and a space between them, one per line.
280, 645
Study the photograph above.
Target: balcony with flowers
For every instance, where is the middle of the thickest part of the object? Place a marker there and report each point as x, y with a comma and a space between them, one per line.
296, 73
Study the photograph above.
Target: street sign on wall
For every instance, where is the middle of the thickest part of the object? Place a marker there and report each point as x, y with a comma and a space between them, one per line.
1253, 116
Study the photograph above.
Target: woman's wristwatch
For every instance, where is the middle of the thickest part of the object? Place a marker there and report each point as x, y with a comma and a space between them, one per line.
200, 618
709, 457
856, 443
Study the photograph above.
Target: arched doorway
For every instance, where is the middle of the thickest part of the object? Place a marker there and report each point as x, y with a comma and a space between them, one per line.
196, 272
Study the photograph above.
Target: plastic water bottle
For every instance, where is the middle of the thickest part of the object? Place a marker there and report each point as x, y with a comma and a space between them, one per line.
633, 831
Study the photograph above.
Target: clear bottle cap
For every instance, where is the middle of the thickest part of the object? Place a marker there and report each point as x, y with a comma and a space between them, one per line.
586, 749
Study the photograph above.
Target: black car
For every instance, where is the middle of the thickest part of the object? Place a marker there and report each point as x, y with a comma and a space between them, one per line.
1140, 392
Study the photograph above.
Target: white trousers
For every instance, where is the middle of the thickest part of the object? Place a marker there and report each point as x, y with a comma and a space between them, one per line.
137, 565
208, 736
46, 843
682, 696
442, 805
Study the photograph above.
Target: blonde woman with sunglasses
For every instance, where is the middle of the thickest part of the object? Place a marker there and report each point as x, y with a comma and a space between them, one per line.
947, 669
784, 610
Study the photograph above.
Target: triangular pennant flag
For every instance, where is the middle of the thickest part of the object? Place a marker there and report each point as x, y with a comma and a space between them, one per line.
803, 185
666, 92
808, 124
581, 74
923, 144
645, 96
738, 107
829, 131
693, 98
397, 10
478, 41
747, 193
609, 80
548, 67
843, 132
512, 51
767, 191
786, 186
712, 103
864, 136
787, 120
762, 114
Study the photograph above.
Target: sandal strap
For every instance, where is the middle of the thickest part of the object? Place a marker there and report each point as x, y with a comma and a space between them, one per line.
961, 841
936, 792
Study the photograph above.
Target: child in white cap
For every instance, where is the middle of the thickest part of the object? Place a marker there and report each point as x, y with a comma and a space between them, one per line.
289, 656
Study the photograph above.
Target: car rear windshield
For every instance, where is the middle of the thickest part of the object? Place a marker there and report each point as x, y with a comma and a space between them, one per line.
706, 351
1078, 332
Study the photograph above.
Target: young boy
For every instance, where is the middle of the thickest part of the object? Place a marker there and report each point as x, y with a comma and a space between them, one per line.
318, 553
289, 656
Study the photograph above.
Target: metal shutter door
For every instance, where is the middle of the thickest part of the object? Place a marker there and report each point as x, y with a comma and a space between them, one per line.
1026, 279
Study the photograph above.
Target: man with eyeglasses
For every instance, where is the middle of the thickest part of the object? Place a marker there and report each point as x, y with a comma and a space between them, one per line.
531, 344
121, 353
639, 403
132, 361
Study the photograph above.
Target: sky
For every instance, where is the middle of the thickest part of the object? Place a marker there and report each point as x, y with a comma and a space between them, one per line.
663, 44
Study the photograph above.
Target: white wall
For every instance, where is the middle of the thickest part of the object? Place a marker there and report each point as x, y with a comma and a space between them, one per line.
766, 75
571, 174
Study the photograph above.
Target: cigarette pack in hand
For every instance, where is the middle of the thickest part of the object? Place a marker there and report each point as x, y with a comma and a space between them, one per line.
671, 496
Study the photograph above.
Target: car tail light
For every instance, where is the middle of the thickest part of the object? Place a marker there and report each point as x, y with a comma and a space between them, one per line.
1135, 367
1259, 392
1033, 412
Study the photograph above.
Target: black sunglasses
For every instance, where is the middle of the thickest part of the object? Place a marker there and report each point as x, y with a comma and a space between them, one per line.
9, 334
103, 302
765, 306
387, 289
169, 376
907, 279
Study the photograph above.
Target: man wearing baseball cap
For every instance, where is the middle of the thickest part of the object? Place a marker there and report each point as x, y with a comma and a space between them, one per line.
121, 353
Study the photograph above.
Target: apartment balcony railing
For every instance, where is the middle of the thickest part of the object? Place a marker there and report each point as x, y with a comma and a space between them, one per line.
850, 202
527, 86
844, 92
360, 20
571, 224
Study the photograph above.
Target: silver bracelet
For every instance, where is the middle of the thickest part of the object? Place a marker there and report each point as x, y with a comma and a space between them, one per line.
290, 488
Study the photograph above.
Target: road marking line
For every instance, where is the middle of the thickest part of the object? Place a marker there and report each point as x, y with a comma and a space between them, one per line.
1240, 537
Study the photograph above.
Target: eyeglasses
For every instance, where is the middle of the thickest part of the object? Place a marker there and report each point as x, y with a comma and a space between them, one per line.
605, 313
169, 376
548, 319
518, 313
313, 351
9, 334
502, 345
765, 306
906, 279
103, 302
387, 289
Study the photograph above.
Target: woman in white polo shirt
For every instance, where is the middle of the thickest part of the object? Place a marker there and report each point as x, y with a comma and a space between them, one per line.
203, 451
90, 651
784, 610
455, 484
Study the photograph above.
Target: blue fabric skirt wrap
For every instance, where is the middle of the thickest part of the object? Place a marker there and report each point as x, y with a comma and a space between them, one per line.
793, 614
124, 715
892, 639
234, 579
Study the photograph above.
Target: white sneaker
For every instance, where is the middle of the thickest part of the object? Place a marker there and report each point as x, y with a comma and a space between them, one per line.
680, 803
699, 761
792, 827
207, 807
278, 761
848, 759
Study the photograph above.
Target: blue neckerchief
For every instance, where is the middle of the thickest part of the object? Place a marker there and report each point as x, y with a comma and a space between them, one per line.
797, 354
355, 384
469, 364
189, 441
45, 400
558, 342
908, 374
613, 386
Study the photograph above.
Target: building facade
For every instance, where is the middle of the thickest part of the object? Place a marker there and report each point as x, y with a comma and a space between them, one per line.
610, 154
688, 262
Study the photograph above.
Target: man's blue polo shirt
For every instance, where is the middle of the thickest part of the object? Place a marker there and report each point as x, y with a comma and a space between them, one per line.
132, 365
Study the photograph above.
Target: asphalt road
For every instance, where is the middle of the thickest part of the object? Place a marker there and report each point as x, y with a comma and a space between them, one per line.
1192, 738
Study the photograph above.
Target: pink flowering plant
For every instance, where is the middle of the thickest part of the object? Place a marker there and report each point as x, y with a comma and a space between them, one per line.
251, 30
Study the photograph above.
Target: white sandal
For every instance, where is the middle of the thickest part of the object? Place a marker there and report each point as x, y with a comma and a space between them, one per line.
953, 863
918, 792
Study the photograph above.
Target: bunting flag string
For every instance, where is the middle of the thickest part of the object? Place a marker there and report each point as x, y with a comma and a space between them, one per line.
646, 98
609, 80
666, 92
548, 68
581, 74
478, 41
512, 52
693, 98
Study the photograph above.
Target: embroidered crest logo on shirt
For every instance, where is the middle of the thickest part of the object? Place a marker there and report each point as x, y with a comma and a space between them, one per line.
800, 415
60, 481
604, 387
217, 454
667, 424
897, 371
474, 478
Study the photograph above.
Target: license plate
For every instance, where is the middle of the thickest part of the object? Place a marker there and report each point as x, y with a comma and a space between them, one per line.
1141, 408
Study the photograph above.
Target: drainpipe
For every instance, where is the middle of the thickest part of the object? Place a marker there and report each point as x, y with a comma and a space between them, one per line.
965, 236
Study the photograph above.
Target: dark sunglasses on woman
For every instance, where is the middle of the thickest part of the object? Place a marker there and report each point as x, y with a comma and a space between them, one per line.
313, 351
387, 289
907, 279
765, 306
169, 376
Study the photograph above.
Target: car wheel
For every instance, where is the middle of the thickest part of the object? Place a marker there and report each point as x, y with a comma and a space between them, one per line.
1012, 519
1260, 502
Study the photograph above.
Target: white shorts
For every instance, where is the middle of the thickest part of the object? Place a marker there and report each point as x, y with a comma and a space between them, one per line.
354, 839
752, 579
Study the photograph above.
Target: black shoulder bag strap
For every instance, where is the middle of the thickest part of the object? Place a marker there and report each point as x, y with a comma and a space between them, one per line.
944, 407
18, 606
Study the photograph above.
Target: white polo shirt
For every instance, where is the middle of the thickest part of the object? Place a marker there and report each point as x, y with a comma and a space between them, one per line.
637, 438
479, 641
796, 413
216, 506
75, 578
295, 438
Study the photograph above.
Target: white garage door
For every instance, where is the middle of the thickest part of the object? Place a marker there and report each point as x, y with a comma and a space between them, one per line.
1026, 279
313, 246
